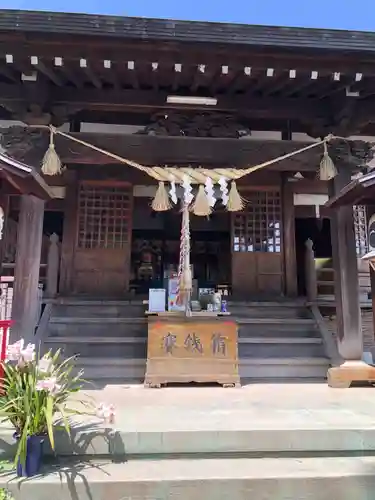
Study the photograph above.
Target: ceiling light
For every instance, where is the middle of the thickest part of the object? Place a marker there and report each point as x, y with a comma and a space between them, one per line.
178, 99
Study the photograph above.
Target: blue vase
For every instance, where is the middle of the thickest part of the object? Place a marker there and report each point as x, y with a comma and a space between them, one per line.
34, 455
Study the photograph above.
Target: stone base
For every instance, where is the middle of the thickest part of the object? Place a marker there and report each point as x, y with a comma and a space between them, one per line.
351, 371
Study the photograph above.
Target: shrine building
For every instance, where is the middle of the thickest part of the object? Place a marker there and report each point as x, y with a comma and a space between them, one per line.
183, 94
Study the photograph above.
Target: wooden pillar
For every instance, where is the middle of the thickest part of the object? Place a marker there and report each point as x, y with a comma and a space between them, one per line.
310, 273
26, 276
289, 238
53, 261
69, 234
349, 328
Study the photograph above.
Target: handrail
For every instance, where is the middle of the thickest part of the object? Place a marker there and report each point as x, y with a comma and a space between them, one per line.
328, 340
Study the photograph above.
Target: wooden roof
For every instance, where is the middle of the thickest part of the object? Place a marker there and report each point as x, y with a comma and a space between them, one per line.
185, 31
360, 191
56, 66
23, 178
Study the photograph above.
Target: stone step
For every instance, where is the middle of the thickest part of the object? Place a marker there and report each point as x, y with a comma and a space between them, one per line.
280, 350
91, 348
97, 329
274, 321
97, 320
287, 478
142, 320
269, 312
99, 310
135, 347
282, 330
123, 370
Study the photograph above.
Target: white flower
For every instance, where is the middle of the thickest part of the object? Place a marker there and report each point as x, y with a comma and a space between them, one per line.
48, 384
14, 351
28, 354
17, 352
45, 365
106, 413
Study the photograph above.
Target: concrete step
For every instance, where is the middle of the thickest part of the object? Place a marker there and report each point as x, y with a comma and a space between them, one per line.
289, 478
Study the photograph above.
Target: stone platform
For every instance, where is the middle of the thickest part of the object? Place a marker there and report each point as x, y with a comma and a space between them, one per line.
295, 442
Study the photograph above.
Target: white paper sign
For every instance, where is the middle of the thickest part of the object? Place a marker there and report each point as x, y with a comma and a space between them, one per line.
172, 295
156, 299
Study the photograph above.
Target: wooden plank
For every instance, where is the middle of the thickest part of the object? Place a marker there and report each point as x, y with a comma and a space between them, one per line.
192, 350
29, 245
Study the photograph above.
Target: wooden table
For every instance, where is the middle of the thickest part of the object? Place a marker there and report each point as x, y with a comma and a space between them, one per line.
199, 348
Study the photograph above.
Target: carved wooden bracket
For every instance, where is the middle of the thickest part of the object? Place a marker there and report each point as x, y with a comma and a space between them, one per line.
205, 124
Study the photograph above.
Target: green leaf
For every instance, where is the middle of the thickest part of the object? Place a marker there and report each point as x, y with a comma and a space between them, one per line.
48, 411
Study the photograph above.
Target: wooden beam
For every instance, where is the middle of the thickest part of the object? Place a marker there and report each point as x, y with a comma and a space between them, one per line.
46, 71
90, 73
29, 247
177, 75
6, 71
198, 77
151, 150
133, 75
154, 75
69, 73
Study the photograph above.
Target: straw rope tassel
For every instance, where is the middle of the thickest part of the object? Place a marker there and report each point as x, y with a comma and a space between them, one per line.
235, 201
327, 168
161, 201
51, 164
201, 205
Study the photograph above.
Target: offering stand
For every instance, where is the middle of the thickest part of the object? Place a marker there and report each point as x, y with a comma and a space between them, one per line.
200, 347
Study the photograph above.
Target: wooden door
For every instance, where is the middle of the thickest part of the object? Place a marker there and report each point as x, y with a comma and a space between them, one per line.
102, 255
257, 263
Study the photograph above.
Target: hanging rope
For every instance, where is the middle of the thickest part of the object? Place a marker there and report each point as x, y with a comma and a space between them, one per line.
196, 175
185, 280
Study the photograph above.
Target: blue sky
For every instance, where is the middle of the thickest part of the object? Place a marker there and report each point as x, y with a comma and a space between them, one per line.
339, 14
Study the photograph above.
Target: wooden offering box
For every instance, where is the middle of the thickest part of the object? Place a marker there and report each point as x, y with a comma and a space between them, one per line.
199, 348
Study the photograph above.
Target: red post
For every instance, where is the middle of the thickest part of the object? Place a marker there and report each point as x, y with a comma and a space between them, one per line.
4, 326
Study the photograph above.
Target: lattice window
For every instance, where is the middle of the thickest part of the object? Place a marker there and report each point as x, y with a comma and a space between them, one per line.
104, 216
360, 230
258, 227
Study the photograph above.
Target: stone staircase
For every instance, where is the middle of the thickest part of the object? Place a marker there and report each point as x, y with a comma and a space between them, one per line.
278, 341
262, 442
326, 282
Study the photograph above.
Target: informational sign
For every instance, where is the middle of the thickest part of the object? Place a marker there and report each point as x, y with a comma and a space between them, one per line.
172, 295
156, 299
